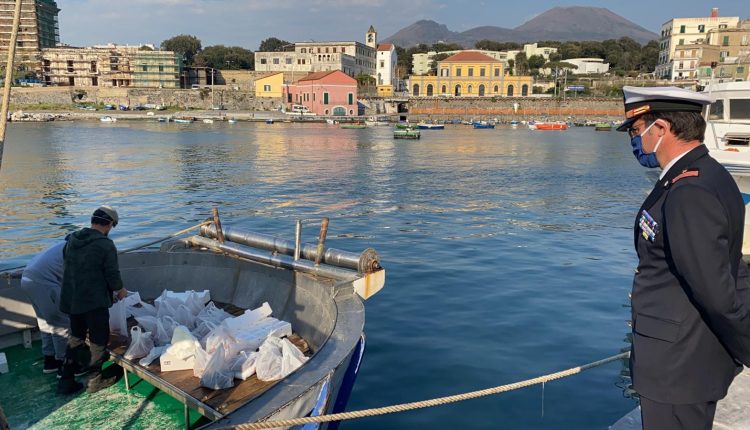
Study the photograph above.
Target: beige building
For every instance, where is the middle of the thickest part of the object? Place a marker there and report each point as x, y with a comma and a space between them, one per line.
686, 31
352, 58
688, 59
38, 29
111, 67
422, 62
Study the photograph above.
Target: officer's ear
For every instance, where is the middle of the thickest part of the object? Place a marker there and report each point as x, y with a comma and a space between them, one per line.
662, 127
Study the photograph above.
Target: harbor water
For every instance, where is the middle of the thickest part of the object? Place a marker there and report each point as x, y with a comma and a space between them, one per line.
509, 252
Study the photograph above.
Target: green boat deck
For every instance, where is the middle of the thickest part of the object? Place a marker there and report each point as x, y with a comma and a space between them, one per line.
29, 401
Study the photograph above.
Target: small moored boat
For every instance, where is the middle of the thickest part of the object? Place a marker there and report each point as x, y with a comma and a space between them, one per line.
107, 118
426, 126
406, 134
603, 126
353, 126
556, 125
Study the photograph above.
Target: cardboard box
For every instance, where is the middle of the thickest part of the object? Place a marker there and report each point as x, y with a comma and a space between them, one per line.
171, 363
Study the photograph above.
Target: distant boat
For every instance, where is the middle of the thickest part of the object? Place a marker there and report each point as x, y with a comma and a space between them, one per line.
555, 125
331, 121
232, 121
425, 126
377, 121
269, 121
514, 122
603, 126
107, 118
163, 119
483, 125
353, 126
406, 133
208, 121
406, 126
183, 121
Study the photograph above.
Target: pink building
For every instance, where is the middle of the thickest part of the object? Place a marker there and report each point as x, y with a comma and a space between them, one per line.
323, 93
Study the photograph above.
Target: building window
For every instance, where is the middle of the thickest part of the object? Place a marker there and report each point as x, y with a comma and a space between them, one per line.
457, 91
443, 89
289, 60
495, 90
303, 51
743, 42
93, 66
469, 89
144, 68
263, 61
723, 54
524, 90
429, 90
725, 41
444, 72
289, 97
161, 68
275, 61
350, 98
701, 28
325, 98
497, 72
481, 89
382, 64
471, 72
327, 50
682, 29
415, 90
722, 26
510, 90
267, 88
458, 71
481, 71
740, 70
682, 42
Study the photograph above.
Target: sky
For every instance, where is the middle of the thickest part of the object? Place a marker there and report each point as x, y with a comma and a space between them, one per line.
246, 23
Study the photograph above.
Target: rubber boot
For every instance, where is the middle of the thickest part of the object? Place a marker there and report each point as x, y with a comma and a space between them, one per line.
104, 379
67, 386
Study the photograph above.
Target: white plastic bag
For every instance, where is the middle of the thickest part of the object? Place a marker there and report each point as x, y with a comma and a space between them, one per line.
203, 329
166, 309
277, 358
183, 343
218, 337
244, 365
142, 309
196, 302
155, 353
268, 363
217, 375
164, 330
201, 360
213, 314
118, 318
148, 323
141, 344
132, 298
184, 316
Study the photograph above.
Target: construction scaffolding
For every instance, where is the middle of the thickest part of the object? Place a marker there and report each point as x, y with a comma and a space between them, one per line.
38, 29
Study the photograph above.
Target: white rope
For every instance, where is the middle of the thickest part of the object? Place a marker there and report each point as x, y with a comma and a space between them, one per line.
426, 403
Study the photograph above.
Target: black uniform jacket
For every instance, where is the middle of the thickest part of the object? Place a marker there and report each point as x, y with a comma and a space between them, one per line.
689, 323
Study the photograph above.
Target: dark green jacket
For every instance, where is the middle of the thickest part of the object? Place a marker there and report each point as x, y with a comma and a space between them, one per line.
91, 272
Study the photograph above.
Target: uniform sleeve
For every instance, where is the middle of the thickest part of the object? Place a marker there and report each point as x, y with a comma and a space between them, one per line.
112, 268
697, 230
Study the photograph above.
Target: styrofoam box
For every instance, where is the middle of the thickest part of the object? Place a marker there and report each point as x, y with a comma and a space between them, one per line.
170, 363
3, 363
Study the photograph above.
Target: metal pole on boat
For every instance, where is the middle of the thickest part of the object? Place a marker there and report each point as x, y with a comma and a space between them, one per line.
217, 223
321, 240
9, 77
298, 240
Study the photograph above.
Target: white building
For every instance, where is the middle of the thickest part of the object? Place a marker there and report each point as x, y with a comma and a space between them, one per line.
588, 66
352, 58
421, 63
686, 31
386, 65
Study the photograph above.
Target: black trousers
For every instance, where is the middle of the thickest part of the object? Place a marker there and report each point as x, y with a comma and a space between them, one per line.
95, 325
664, 416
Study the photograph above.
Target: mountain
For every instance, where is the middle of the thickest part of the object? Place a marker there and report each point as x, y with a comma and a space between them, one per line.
560, 23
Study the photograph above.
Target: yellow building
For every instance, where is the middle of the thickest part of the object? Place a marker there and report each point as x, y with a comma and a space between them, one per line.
470, 74
271, 85
385, 90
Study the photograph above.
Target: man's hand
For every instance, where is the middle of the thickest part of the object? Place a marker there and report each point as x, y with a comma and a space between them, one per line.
121, 293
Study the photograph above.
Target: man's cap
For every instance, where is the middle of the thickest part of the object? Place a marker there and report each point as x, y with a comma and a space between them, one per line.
107, 213
641, 100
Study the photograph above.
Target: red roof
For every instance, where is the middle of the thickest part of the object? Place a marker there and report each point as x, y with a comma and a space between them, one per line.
471, 56
385, 47
336, 76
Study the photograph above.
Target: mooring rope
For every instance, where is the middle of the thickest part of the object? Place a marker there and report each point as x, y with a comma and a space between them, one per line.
426, 403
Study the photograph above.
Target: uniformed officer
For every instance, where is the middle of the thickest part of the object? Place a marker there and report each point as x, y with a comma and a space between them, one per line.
691, 331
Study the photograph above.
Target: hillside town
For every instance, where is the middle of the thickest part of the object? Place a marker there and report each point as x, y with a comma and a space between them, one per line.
284, 75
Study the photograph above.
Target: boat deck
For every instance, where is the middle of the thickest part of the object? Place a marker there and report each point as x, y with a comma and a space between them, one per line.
732, 413
186, 388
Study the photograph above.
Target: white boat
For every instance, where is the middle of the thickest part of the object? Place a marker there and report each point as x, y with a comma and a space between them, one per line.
107, 118
183, 121
376, 121
728, 137
232, 121
208, 121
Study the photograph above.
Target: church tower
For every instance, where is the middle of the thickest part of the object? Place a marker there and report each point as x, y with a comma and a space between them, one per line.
372, 38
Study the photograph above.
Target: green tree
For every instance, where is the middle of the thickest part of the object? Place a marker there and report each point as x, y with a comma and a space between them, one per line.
434, 64
491, 45
272, 44
535, 62
183, 44
223, 57
511, 66
442, 47
649, 56
522, 63
145, 48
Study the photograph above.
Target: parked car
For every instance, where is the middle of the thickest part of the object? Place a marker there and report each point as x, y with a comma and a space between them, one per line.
139, 107
123, 107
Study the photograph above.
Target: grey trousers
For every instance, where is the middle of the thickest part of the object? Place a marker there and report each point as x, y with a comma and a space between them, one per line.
53, 324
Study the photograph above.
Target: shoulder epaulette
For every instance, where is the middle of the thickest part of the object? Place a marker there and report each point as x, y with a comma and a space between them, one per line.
687, 173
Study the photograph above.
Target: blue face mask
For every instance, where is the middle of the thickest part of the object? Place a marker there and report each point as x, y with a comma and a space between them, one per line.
646, 159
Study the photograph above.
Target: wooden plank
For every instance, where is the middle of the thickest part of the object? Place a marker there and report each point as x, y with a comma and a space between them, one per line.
224, 401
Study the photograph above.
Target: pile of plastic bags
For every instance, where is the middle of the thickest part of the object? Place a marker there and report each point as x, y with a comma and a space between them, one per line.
185, 330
